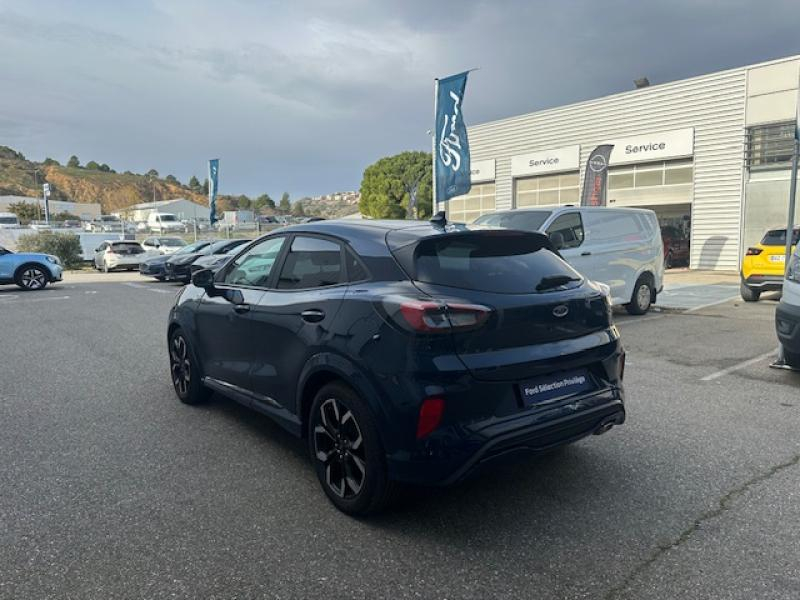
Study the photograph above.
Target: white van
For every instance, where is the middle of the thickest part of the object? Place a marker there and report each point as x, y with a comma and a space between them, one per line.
8, 220
620, 247
164, 223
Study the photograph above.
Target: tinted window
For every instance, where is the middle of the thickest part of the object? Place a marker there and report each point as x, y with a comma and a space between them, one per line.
566, 231
529, 220
127, 248
355, 270
311, 263
192, 248
253, 268
613, 226
512, 263
224, 246
777, 237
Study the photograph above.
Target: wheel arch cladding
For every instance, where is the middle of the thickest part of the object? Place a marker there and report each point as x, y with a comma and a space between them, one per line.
326, 368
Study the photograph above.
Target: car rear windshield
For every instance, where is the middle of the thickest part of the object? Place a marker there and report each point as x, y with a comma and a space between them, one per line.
127, 248
505, 262
777, 237
529, 220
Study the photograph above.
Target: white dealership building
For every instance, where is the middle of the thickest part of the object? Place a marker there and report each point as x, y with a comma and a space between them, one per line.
710, 155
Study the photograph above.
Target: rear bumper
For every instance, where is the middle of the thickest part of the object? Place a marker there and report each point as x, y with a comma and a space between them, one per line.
764, 283
471, 439
787, 326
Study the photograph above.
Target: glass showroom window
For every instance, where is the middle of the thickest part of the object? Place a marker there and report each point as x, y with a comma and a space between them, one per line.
467, 208
545, 190
676, 172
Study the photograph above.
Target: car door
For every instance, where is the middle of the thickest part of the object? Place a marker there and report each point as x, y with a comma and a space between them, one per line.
294, 317
98, 254
6, 265
223, 316
567, 233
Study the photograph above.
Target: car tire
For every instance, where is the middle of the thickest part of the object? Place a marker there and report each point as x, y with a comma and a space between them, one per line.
748, 293
184, 371
31, 277
160, 278
347, 452
791, 358
642, 297
669, 260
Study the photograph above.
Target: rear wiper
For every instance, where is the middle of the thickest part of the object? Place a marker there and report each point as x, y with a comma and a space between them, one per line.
553, 281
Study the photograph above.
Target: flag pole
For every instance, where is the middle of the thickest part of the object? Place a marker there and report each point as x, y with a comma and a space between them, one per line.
433, 143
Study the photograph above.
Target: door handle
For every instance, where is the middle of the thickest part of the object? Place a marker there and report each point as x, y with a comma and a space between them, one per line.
312, 315
586, 253
241, 308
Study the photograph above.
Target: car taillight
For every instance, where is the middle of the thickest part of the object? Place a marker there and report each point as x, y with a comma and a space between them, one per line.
754, 251
434, 316
430, 416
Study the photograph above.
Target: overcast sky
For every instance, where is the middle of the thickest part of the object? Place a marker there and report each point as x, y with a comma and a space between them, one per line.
302, 95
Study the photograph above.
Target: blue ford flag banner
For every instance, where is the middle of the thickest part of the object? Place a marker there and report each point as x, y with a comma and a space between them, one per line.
213, 170
451, 152
594, 180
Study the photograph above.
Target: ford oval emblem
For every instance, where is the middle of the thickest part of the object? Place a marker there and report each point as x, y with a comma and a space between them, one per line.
560, 311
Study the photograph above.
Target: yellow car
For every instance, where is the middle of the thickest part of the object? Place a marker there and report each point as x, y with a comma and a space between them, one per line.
763, 265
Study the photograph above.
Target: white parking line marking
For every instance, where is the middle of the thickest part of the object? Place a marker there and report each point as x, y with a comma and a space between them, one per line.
9, 297
49, 299
140, 286
740, 365
710, 304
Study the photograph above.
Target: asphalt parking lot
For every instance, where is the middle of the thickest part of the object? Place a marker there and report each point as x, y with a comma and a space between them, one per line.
110, 488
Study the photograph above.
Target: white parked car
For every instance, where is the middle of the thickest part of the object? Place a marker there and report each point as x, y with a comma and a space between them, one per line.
787, 315
9, 220
118, 254
164, 223
162, 245
620, 247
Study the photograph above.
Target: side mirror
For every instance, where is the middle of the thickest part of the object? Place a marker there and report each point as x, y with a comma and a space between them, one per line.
204, 278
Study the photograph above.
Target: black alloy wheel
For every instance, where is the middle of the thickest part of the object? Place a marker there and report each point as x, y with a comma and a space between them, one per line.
345, 446
185, 376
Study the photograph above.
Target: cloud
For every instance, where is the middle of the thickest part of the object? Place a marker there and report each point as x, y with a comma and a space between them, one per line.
304, 95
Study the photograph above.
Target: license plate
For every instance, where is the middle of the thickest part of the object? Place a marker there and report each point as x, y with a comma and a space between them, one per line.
777, 258
556, 386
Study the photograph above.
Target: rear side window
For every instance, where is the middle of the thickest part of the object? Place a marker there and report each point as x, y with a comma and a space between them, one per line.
610, 226
355, 270
567, 231
501, 262
777, 237
311, 263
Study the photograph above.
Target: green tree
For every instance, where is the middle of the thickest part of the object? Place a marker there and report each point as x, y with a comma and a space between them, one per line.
397, 187
51, 161
25, 211
285, 206
92, 166
297, 209
194, 183
264, 201
243, 202
205, 186
106, 169
172, 179
73, 162
152, 173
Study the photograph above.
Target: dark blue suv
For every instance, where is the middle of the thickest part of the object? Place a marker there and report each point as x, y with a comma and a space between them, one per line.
404, 352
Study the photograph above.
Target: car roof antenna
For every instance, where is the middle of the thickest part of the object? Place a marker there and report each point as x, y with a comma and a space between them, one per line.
439, 220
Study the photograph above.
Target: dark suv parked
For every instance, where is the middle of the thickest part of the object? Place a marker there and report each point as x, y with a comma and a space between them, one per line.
402, 351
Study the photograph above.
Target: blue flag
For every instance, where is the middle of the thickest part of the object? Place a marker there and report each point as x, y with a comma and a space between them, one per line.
452, 146
213, 169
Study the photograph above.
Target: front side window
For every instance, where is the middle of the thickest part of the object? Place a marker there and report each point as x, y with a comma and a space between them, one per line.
311, 263
566, 231
254, 267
